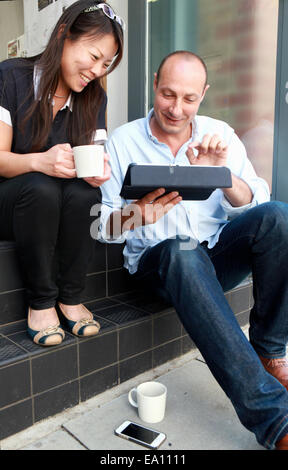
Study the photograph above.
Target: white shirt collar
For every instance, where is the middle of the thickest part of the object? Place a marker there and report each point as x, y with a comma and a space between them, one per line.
36, 79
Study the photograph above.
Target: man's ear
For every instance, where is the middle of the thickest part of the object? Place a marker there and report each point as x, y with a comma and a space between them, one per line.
155, 83
204, 92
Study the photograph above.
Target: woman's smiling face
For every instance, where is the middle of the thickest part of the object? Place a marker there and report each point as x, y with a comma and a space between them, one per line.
84, 60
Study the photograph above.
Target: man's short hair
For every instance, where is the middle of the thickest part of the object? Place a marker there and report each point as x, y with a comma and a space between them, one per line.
187, 55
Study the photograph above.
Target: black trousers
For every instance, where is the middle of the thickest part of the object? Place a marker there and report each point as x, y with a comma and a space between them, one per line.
49, 218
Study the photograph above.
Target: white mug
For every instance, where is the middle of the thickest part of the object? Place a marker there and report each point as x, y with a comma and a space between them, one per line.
89, 160
150, 401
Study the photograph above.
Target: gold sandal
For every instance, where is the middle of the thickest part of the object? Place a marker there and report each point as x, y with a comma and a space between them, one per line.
50, 336
82, 328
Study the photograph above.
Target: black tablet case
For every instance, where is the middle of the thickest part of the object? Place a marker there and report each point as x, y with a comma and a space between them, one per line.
192, 182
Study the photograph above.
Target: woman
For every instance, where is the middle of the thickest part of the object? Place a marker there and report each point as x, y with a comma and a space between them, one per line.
48, 104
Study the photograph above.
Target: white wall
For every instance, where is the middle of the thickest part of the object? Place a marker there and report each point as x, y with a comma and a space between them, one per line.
38, 24
11, 24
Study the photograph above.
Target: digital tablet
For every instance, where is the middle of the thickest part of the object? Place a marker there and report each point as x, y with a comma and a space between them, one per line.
191, 182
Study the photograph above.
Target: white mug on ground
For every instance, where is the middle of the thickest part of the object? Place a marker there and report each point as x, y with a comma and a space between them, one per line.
150, 401
89, 160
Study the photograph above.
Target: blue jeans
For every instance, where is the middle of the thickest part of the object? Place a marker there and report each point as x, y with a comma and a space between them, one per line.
194, 281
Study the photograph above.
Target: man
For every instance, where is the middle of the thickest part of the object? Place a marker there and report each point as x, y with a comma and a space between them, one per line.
193, 251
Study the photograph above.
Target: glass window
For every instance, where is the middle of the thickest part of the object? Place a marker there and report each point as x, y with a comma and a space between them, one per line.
238, 41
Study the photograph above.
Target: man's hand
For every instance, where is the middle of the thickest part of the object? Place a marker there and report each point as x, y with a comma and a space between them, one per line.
212, 151
144, 211
154, 205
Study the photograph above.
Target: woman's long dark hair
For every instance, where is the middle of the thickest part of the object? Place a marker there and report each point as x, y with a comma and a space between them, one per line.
82, 122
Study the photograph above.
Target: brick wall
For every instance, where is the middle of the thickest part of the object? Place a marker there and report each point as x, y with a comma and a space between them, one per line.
238, 40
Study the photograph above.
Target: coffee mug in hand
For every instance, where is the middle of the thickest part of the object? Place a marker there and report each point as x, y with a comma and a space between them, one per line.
89, 160
150, 399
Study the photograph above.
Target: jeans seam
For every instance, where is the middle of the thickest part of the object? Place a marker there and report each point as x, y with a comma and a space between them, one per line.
269, 357
270, 441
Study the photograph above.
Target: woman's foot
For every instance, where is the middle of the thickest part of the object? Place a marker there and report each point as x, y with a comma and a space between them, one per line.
41, 319
44, 327
80, 321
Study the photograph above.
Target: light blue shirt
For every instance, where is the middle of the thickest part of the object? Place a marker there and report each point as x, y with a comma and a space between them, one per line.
199, 220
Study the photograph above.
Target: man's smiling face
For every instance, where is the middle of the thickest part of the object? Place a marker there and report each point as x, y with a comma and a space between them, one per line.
178, 94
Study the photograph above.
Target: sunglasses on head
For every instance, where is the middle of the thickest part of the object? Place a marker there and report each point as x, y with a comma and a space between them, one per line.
108, 11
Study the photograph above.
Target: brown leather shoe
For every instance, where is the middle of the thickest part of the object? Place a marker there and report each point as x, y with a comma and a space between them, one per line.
278, 367
282, 444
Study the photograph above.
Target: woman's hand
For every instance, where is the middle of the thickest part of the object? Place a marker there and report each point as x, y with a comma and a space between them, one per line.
97, 181
58, 161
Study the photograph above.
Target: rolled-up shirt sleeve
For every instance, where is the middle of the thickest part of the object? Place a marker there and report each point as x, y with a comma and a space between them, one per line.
241, 167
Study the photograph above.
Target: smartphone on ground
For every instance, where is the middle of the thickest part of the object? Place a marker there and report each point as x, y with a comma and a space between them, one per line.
140, 435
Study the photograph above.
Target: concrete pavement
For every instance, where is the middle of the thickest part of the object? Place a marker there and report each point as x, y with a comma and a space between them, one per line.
199, 416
